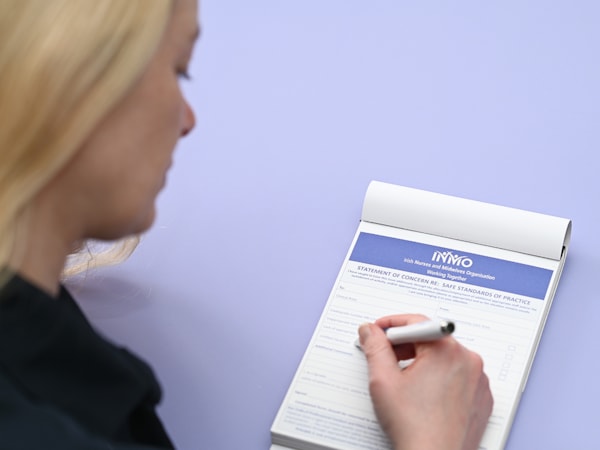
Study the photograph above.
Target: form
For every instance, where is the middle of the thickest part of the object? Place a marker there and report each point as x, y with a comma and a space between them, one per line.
498, 299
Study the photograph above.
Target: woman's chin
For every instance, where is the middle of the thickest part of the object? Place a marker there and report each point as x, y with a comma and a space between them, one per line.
146, 223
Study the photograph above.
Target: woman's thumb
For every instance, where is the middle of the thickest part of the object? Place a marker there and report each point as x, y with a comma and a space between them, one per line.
376, 347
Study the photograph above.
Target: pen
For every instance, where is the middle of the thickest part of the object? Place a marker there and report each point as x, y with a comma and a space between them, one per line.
429, 330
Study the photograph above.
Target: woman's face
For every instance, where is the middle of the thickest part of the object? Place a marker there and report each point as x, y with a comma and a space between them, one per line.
113, 181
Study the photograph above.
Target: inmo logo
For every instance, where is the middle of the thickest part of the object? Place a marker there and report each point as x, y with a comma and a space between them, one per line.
449, 258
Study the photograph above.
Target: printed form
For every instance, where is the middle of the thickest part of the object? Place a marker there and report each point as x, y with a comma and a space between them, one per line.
498, 300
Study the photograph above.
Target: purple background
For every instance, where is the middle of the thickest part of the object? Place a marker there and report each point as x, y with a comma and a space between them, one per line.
299, 105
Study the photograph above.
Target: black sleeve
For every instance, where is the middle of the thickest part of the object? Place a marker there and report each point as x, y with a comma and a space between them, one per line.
25, 425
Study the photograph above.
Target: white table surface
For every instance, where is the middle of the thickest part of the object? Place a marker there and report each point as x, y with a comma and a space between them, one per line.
299, 105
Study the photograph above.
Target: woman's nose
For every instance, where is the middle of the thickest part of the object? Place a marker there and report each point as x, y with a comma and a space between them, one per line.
189, 119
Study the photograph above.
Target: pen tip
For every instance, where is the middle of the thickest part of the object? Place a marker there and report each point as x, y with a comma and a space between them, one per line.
357, 344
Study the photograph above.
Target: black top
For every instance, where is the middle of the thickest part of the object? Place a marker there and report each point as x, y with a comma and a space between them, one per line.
62, 386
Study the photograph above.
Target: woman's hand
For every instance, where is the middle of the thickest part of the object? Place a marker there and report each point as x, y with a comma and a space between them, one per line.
440, 401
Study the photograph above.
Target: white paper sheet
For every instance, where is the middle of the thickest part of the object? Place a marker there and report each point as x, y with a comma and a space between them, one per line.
498, 298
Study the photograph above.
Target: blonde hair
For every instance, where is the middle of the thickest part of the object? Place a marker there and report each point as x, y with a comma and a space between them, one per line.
63, 65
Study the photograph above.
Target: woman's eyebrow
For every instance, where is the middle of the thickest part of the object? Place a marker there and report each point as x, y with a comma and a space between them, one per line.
195, 34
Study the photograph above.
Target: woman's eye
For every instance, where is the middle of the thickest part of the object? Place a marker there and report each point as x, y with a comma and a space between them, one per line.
184, 74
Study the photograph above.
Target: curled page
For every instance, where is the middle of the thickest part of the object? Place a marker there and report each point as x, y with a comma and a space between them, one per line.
466, 220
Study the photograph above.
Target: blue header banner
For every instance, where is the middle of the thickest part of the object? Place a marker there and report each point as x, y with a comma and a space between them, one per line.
452, 265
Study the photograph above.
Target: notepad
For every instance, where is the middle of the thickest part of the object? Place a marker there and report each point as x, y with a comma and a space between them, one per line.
492, 270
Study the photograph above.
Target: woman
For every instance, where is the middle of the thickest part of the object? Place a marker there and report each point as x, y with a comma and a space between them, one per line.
91, 113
